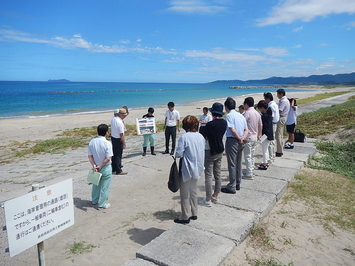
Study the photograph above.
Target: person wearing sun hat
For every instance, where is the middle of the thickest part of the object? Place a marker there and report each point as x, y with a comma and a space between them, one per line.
118, 140
214, 149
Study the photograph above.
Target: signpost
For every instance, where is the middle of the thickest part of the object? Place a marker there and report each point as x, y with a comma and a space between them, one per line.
36, 216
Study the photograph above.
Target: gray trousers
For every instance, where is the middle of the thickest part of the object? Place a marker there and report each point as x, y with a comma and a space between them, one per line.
234, 152
188, 197
279, 134
212, 167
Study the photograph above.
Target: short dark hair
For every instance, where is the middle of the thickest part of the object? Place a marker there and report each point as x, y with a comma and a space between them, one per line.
190, 123
205, 109
230, 103
281, 91
263, 104
102, 130
171, 104
150, 110
268, 95
249, 101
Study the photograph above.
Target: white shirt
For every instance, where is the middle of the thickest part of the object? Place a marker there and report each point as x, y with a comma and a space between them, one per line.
292, 116
284, 106
191, 149
100, 148
237, 121
172, 117
205, 118
275, 111
117, 127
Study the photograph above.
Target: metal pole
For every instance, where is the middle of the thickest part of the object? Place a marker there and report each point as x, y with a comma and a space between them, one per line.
40, 246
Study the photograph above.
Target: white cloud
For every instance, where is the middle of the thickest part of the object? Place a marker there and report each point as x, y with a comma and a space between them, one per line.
306, 10
195, 6
298, 29
77, 35
350, 25
275, 51
296, 46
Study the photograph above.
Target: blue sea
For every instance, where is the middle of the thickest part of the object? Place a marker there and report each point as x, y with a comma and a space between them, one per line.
20, 99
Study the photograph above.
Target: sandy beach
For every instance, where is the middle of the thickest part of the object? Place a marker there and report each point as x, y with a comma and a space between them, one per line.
142, 206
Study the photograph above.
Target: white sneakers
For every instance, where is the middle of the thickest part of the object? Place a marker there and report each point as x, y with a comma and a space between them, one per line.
108, 205
205, 203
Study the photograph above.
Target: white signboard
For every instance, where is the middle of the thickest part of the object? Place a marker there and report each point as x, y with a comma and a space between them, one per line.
38, 215
145, 125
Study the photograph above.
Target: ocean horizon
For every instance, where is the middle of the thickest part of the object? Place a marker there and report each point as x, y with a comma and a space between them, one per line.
30, 99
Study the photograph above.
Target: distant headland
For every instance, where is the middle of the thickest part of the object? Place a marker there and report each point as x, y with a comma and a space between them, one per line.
341, 79
58, 80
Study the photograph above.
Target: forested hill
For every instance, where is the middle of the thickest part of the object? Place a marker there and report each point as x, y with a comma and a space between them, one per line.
346, 79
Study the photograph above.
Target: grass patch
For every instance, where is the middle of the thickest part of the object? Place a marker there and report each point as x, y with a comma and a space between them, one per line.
260, 237
321, 96
328, 120
335, 157
80, 248
52, 146
271, 262
330, 195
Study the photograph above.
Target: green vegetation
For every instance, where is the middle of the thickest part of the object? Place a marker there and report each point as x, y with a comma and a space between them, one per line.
271, 262
53, 146
319, 97
328, 120
334, 192
336, 157
80, 248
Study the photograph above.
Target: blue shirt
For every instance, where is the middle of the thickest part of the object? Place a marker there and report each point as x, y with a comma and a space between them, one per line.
237, 121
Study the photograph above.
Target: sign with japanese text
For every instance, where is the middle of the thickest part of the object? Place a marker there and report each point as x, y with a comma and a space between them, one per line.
38, 215
145, 125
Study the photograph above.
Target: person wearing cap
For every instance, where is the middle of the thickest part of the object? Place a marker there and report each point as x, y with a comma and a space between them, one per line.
100, 154
214, 149
171, 124
118, 140
236, 133
149, 137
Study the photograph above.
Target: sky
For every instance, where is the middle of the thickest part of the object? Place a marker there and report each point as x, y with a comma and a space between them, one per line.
189, 41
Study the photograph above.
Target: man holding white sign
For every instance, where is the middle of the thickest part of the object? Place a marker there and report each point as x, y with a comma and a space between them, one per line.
100, 153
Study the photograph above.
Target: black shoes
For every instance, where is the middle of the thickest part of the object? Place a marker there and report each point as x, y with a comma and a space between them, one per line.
225, 190
193, 218
166, 152
178, 221
279, 154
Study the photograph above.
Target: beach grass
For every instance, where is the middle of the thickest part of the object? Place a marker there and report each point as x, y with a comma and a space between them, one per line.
328, 120
320, 96
334, 192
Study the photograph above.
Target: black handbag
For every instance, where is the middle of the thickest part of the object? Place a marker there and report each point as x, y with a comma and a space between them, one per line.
299, 136
174, 179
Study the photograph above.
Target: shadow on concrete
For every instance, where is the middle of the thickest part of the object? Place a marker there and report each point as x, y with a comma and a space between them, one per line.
144, 236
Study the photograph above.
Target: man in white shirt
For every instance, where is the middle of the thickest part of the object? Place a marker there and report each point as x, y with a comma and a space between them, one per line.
171, 124
118, 140
204, 119
284, 107
269, 98
99, 154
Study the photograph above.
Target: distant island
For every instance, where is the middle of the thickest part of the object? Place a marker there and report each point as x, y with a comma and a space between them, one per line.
340, 79
58, 80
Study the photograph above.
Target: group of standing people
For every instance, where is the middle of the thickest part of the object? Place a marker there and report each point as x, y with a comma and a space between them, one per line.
244, 130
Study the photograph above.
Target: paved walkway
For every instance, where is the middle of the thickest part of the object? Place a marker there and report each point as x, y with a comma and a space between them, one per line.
219, 229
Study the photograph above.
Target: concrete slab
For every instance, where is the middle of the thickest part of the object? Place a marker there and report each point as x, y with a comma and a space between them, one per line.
138, 262
250, 200
277, 171
184, 245
266, 184
225, 221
